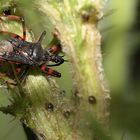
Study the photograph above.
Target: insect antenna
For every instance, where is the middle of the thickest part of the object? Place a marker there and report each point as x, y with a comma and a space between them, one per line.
52, 65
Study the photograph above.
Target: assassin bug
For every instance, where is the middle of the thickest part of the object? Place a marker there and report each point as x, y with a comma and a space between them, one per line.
18, 51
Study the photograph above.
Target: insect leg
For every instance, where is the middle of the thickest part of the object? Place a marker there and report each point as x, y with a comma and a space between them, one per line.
50, 71
55, 44
16, 18
11, 34
21, 71
24, 74
55, 49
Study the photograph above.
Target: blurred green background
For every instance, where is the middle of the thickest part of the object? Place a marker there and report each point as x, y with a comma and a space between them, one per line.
120, 47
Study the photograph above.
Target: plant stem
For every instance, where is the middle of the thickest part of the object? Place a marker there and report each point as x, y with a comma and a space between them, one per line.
84, 115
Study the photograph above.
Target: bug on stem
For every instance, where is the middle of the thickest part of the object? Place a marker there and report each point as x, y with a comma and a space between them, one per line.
24, 54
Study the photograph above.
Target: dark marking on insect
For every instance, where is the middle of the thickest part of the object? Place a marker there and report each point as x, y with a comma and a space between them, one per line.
92, 99
18, 51
49, 106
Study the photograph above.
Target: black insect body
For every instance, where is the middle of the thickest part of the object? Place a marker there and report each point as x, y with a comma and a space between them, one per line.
22, 53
